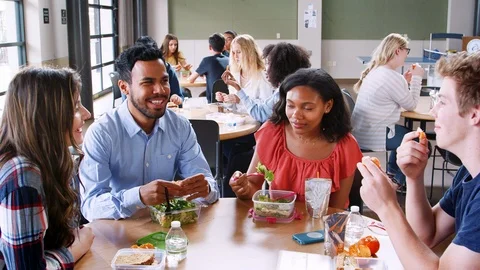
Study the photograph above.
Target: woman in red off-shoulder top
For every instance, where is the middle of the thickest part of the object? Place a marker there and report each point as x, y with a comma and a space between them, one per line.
308, 135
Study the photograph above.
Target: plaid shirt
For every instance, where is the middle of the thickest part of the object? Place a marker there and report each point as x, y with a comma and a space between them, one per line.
24, 221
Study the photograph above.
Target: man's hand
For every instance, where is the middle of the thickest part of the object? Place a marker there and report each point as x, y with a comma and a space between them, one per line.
176, 99
153, 193
412, 156
194, 187
228, 78
377, 191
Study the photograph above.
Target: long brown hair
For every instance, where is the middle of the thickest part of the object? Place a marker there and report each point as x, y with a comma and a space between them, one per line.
165, 47
384, 52
38, 115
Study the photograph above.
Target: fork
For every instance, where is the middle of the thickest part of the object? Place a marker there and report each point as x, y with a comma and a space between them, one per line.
167, 198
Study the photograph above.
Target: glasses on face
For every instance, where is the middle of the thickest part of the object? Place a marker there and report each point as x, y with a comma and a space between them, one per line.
408, 50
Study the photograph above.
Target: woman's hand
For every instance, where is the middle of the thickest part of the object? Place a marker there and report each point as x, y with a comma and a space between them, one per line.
240, 185
219, 96
176, 99
417, 70
178, 67
412, 156
187, 66
228, 78
231, 98
408, 76
83, 241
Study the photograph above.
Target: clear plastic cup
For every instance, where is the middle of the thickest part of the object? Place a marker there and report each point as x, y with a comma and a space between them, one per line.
317, 196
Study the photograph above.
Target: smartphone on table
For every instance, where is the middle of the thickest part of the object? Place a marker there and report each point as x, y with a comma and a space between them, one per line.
309, 237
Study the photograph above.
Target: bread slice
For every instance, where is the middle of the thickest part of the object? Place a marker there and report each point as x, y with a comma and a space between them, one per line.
136, 259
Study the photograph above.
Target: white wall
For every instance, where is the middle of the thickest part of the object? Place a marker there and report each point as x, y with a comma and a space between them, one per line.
45, 41
157, 19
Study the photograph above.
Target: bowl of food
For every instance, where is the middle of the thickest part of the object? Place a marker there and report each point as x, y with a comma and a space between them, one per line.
274, 203
180, 209
135, 258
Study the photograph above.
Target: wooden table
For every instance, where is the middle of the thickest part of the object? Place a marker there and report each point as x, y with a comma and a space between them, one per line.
223, 238
226, 132
421, 113
199, 82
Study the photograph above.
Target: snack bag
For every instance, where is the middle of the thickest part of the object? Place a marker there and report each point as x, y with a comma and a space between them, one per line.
335, 225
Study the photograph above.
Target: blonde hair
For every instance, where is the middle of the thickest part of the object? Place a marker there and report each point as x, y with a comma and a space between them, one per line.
383, 54
251, 62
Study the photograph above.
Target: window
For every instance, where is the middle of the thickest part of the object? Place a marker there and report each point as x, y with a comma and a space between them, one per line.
103, 43
12, 42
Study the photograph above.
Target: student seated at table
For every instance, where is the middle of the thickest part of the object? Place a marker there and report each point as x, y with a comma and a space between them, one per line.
281, 60
172, 55
248, 69
457, 126
133, 153
176, 95
39, 205
307, 136
212, 66
382, 93
229, 36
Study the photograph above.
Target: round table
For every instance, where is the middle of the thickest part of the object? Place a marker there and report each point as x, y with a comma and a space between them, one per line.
224, 237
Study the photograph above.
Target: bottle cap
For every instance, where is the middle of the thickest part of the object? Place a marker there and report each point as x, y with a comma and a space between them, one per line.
175, 224
353, 208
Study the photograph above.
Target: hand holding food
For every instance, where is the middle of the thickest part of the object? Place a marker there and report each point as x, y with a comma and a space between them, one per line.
377, 191
412, 156
417, 70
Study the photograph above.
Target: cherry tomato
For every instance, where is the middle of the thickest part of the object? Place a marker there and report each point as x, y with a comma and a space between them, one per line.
371, 242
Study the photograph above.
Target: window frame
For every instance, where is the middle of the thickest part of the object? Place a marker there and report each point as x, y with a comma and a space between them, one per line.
20, 44
113, 35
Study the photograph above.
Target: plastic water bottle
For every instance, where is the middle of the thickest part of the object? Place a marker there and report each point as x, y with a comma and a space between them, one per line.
355, 226
176, 242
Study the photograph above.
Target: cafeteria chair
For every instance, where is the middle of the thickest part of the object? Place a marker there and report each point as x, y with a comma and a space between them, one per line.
208, 137
349, 102
114, 76
218, 86
448, 158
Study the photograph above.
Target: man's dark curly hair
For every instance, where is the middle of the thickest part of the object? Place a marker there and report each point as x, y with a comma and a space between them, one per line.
284, 59
127, 59
335, 124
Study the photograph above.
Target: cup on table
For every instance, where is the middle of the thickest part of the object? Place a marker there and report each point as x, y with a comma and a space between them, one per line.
317, 196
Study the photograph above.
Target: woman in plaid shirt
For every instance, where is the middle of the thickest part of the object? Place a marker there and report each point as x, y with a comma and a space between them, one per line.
39, 206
